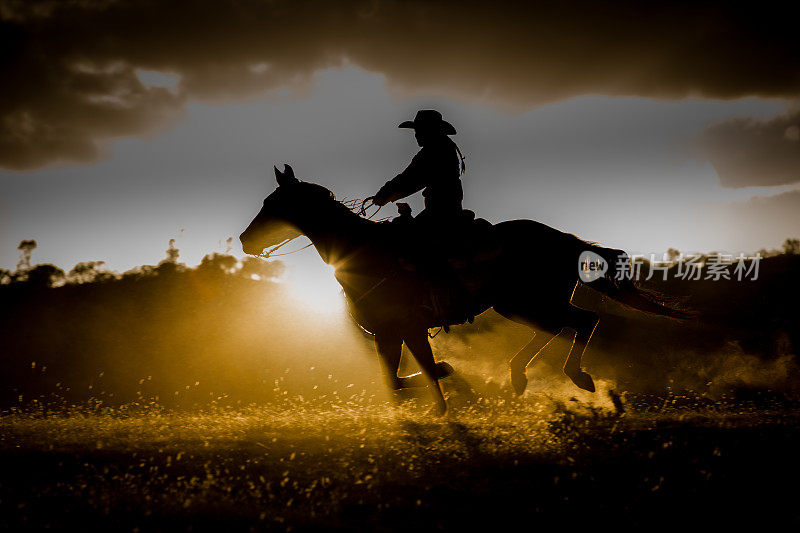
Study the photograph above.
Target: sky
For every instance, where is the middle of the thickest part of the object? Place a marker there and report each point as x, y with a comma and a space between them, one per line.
125, 124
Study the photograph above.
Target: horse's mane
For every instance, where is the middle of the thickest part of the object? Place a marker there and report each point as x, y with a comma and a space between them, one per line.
348, 207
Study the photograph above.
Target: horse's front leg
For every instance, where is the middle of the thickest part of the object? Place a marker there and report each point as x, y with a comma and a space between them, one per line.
417, 342
390, 348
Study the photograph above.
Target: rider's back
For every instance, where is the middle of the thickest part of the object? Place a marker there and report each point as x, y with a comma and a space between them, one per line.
440, 166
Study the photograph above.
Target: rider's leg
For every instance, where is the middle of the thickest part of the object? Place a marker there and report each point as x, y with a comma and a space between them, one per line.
436, 236
417, 342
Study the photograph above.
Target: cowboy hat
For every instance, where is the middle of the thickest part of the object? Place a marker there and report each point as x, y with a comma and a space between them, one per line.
429, 119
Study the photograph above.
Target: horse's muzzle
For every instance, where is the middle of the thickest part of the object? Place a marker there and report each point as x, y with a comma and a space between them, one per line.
248, 247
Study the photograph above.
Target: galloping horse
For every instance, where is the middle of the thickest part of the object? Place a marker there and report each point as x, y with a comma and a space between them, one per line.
530, 278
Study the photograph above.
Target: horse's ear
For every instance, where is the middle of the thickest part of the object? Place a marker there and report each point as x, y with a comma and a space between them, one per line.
286, 177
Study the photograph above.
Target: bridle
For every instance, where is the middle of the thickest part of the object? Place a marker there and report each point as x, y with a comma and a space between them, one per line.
267, 253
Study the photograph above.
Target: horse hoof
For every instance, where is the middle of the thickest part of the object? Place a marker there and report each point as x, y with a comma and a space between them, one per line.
440, 409
519, 381
443, 370
582, 380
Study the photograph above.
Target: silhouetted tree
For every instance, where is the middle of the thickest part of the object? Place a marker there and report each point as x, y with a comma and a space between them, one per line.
172, 252
170, 264
791, 246
88, 272
218, 263
253, 266
45, 276
26, 249
673, 254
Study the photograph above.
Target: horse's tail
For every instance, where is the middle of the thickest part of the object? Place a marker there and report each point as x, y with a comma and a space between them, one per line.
619, 286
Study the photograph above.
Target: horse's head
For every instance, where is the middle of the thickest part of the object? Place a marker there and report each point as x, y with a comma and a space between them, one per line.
280, 217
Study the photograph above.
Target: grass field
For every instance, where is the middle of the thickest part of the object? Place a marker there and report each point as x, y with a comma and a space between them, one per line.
367, 464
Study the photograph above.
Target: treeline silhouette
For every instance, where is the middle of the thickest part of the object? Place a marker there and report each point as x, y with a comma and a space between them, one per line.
226, 332
223, 332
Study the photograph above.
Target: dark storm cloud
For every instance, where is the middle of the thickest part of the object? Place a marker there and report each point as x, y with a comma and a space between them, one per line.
747, 152
70, 68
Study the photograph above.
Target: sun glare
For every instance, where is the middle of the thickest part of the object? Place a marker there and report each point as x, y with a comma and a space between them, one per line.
312, 282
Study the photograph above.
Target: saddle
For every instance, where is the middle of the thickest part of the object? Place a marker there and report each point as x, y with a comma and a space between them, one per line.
473, 242
465, 241
448, 260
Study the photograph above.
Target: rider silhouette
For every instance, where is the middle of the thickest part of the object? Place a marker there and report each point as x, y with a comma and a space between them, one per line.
436, 171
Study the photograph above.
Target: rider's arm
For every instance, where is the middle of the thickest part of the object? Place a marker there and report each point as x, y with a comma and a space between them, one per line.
413, 179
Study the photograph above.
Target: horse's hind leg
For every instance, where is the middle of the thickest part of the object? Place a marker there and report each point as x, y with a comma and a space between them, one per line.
523, 358
531, 351
584, 323
420, 348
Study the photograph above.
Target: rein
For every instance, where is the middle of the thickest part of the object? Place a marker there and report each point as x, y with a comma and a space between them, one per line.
271, 253
362, 211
